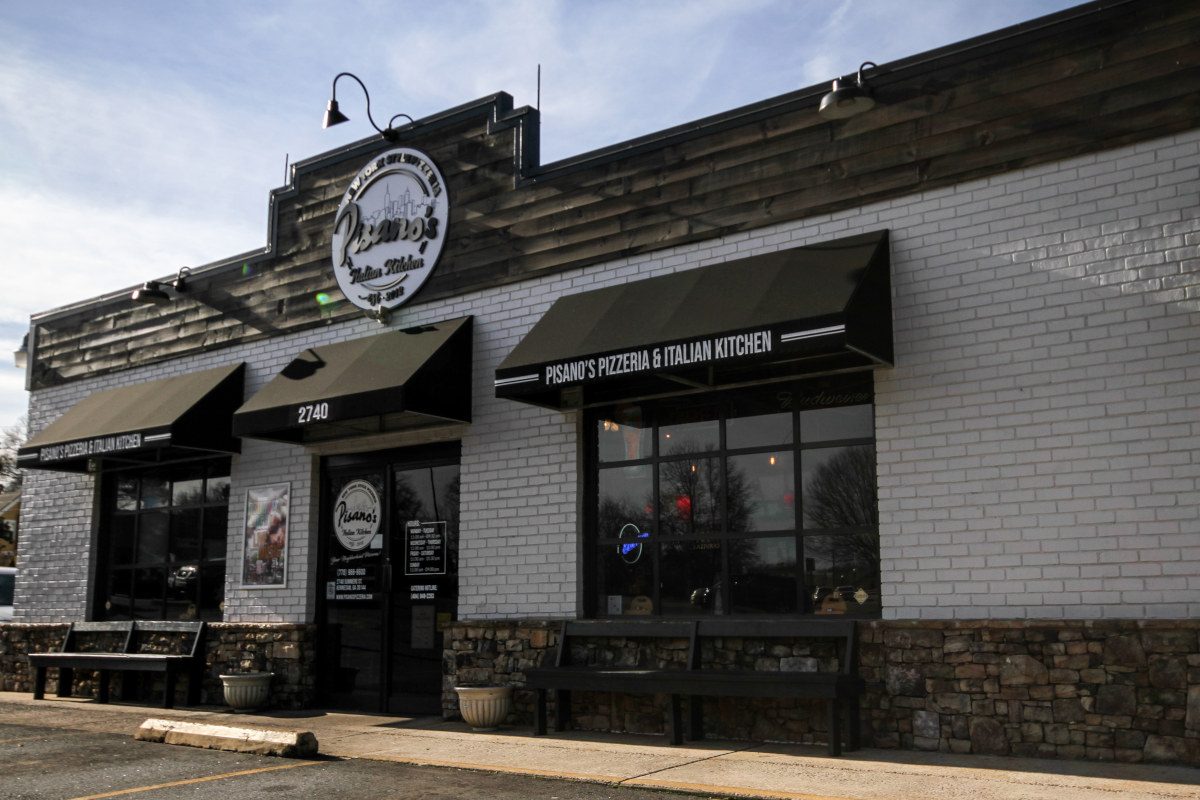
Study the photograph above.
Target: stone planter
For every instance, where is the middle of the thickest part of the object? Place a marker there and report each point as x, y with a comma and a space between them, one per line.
484, 707
247, 691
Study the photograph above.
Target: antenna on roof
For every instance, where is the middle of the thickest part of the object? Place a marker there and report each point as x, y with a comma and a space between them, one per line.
539, 92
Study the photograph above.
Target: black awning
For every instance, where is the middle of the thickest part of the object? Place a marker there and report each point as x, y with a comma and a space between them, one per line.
162, 420
805, 311
404, 379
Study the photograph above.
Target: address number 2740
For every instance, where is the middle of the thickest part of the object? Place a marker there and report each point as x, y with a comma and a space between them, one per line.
312, 412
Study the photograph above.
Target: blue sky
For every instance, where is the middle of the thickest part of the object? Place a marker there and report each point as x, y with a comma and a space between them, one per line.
137, 137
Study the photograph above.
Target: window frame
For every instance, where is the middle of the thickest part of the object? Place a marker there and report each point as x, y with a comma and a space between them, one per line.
804, 540
190, 582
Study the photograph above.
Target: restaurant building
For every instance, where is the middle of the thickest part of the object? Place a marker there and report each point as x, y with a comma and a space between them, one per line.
931, 365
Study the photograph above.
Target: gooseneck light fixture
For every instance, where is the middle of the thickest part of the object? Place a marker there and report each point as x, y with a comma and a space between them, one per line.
21, 354
847, 100
334, 116
152, 292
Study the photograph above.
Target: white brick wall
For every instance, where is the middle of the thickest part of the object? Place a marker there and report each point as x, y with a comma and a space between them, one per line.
1039, 438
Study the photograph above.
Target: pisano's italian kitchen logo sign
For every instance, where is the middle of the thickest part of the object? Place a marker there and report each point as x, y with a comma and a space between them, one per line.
356, 515
389, 230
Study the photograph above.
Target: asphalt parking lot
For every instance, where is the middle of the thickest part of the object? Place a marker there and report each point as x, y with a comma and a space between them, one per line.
49, 763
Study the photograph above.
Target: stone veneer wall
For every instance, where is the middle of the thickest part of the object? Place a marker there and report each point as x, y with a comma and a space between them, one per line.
288, 650
1099, 690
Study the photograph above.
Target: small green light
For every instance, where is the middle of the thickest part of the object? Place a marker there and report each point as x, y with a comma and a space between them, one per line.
324, 299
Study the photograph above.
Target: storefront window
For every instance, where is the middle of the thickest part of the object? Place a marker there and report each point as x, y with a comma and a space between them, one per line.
162, 541
756, 502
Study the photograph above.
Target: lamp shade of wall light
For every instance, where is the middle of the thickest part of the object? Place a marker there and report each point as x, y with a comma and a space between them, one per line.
334, 115
848, 99
151, 293
21, 354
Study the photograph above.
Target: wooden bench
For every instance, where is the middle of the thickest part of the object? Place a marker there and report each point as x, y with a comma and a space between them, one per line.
693, 680
109, 647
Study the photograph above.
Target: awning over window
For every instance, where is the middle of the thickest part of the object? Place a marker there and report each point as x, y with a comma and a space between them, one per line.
404, 379
146, 423
805, 311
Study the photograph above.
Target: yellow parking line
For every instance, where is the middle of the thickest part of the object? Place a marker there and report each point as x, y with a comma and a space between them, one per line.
194, 780
680, 786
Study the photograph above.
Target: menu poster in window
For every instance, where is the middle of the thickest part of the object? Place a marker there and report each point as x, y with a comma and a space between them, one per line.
426, 548
264, 553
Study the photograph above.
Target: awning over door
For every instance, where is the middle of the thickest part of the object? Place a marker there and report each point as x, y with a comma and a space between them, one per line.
804, 311
161, 420
393, 381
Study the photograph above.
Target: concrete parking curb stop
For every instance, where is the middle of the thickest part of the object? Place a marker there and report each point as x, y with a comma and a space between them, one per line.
256, 741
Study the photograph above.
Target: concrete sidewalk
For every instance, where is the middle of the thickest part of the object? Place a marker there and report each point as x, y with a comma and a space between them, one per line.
725, 769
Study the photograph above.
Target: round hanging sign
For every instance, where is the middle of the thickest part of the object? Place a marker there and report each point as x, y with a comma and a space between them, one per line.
356, 515
390, 229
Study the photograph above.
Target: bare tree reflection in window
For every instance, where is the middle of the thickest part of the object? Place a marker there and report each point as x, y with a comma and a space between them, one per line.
842, 495
842, 492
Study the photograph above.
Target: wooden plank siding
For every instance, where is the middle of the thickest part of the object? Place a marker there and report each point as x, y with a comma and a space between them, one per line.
1084, 80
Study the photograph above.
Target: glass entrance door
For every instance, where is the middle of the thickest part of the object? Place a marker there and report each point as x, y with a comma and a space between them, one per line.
424, 547
390, 540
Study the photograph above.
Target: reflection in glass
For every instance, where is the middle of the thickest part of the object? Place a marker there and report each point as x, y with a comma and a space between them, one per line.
763, 575
690, 430
841, 572
215, 534
429, 494
689, 497
626, 579
727, 491
185, 535
175, 516
184, 493
148, 587
127, 494
625, 497
690, 578
152, 538
119, 601
217, 490
622, 435
839, 487
121, 532
414, 496
761, 493
762, 430
156, 492
212, 591
832, 424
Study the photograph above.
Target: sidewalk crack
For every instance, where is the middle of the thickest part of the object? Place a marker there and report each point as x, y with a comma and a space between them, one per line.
714, 756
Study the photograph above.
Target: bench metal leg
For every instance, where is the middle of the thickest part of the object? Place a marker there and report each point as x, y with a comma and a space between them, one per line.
66, 679
695, 718
39, 683
855, 732
675, 720
834, 709
541, 709
169, 689
195, 678
562, 709
129, 683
